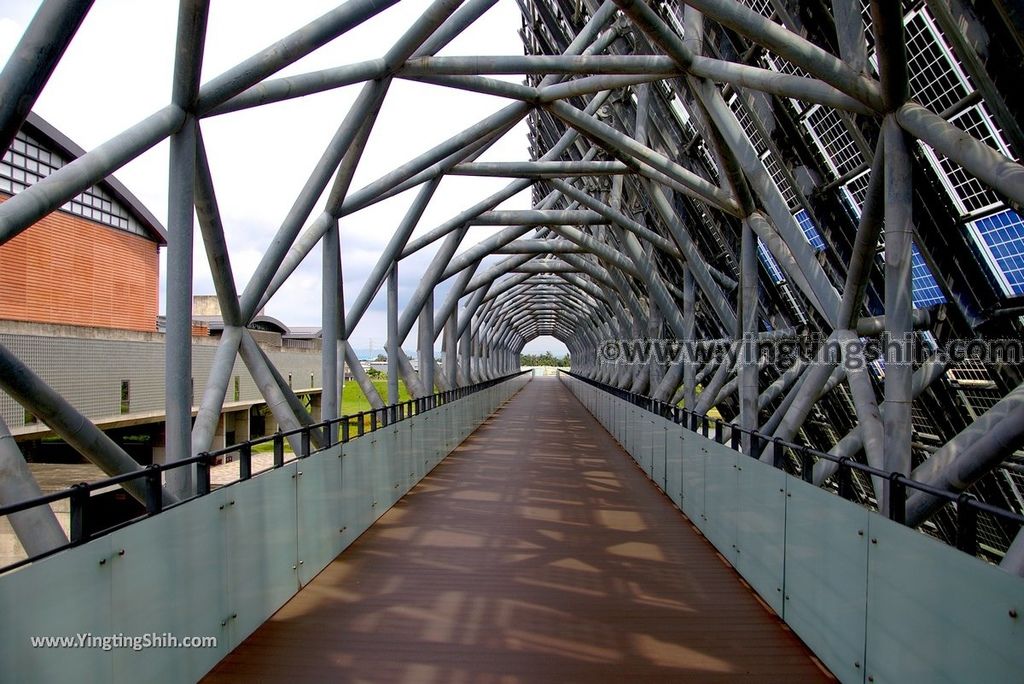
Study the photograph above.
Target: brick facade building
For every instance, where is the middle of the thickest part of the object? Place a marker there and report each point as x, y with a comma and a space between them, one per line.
93, 263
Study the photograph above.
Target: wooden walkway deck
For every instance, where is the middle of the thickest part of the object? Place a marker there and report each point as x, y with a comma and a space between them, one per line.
537, 552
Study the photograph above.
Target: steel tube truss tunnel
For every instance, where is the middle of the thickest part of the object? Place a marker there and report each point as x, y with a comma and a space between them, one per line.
782, 218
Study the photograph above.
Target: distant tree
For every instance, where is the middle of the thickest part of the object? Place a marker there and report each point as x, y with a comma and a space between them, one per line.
375, 373
381, 357
545, 359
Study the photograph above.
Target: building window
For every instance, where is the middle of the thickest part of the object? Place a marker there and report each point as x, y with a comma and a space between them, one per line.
126, 396
238, 388
28, 161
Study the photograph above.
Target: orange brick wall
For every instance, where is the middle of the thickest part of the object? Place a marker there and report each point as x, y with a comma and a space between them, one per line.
67, 269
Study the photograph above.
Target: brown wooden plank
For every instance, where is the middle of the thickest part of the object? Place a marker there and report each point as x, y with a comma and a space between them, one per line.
537, 552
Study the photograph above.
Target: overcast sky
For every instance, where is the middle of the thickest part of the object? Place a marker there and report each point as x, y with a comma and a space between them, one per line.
117, 71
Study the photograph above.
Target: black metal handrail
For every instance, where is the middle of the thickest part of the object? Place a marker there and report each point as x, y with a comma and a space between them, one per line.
967, 506
79, 494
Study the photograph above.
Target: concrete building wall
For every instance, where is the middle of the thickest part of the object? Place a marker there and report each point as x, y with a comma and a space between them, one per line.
87, 367
70, 270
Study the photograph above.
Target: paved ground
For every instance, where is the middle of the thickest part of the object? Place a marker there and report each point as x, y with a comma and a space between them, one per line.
537, 552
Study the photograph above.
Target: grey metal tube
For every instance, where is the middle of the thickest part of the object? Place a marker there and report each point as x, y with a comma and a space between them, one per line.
866, 241
33, 203
850, 445
289, 49
209, 412
898, 297
707, 398
450, 351
391, 252
866, 406
178, 339
331, 323
805, 395
393, 341
300, 85
748, 368
623, 144
33, 60
275, 397
850, 33
300, 411
36, 528
694, 261
368, 102
992, 167
792, 47
499, 119
212, 229
968, 456
361, 378
536, 217
539, 169
425, 352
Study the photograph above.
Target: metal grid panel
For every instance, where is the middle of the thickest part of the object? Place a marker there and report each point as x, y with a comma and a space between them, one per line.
936, 79
926, 288
968, 193
855, 191
1001, 238
770, 264
833, 140
810, 230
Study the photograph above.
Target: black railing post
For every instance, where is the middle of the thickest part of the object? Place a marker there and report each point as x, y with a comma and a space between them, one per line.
844, 477
79, 501
344, 429
806, 465
373, 420
203, 474
278, 450
779, 454
966, 525
734, 438
154, 490
719, 432
304, 443
245, 461
360, 423
897, 499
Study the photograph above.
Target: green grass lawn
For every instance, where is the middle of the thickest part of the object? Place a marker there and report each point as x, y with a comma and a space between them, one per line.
353, 401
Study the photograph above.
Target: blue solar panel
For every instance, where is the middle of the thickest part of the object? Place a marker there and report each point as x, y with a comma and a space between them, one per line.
926, 290
1003, 233
770, 264
810, 230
